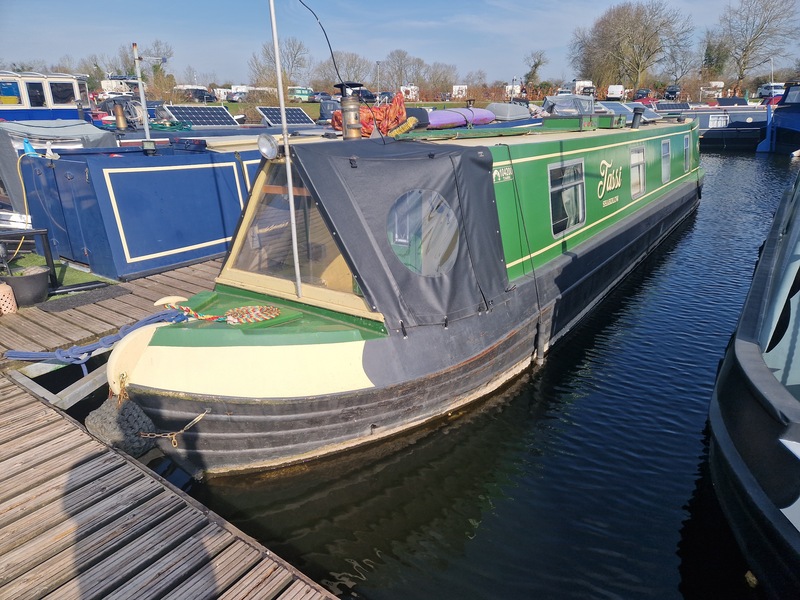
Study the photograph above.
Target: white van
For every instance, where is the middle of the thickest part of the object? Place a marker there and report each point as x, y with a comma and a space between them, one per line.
768, 90
615, 92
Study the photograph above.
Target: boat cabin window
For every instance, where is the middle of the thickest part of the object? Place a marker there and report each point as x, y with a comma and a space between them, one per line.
423, 232
267, 246
9, 93
63, 92
792, 95
35, 93
718, 121
83, 90
567, 196
638, 181
665, 161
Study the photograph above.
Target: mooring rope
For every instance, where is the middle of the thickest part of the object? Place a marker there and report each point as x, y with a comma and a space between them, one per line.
78, 355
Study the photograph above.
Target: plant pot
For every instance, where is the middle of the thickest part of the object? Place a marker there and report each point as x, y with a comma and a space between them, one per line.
29, 285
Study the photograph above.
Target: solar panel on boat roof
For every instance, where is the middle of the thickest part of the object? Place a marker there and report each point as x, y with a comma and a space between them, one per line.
294, 115
199, 116
673, 106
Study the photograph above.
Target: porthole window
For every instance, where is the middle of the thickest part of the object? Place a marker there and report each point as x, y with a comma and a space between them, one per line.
423, 232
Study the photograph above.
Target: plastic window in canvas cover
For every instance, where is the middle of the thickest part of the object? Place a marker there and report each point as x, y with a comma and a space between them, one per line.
267, 246
423, 232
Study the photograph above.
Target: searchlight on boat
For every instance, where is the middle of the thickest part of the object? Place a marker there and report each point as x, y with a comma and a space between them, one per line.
267, 146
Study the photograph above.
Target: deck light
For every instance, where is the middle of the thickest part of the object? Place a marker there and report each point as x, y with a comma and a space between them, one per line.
267, 146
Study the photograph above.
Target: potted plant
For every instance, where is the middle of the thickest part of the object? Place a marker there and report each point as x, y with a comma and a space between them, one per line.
30, 285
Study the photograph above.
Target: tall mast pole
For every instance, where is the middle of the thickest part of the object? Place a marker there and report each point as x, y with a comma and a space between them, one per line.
287, 155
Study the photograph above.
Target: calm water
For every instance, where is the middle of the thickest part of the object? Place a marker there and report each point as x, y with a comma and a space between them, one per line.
588, 479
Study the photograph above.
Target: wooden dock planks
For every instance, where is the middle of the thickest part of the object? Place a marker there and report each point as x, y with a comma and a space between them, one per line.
80, 520
32, 329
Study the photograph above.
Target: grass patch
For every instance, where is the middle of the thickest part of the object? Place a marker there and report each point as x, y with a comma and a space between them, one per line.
66, 275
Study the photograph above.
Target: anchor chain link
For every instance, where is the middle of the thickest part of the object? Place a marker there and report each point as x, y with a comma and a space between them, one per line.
173, 435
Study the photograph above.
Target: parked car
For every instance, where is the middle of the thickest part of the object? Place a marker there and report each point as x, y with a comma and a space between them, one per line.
768, 90
197, 95
385, 96
615, 92
236, 97
365, 95
642, 93
672, 92
319, 96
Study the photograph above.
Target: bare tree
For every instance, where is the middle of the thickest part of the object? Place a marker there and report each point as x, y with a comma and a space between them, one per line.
441, 77
755, 30
475, 79
91, 66
295, 62
417, 71
628, 40
395, 69
351, 67
680, 61
535, 60
19, 66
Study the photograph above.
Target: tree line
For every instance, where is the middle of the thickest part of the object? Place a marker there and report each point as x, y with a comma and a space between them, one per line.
640, 44
634, 43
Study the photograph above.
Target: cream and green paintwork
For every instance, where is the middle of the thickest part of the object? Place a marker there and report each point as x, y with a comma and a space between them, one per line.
521, 171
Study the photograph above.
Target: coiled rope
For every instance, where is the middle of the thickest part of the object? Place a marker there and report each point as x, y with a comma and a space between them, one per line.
234, 316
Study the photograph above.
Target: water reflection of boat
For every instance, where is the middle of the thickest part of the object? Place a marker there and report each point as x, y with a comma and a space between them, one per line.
343, 523
425, 275
755, 413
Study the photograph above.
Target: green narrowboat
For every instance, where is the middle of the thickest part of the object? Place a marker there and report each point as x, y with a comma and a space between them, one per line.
379, 285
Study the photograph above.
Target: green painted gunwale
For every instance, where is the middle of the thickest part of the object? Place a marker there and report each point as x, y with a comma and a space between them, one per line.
297, 323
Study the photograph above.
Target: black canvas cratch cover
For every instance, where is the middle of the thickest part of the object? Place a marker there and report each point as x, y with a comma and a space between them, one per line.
369, 191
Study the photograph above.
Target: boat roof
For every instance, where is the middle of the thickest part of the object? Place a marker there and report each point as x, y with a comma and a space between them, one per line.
33, 74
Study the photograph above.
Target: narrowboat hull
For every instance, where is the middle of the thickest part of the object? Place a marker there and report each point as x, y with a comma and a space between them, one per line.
241, 434
272, 404
754, 417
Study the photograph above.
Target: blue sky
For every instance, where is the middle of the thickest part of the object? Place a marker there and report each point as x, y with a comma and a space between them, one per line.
217, 38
